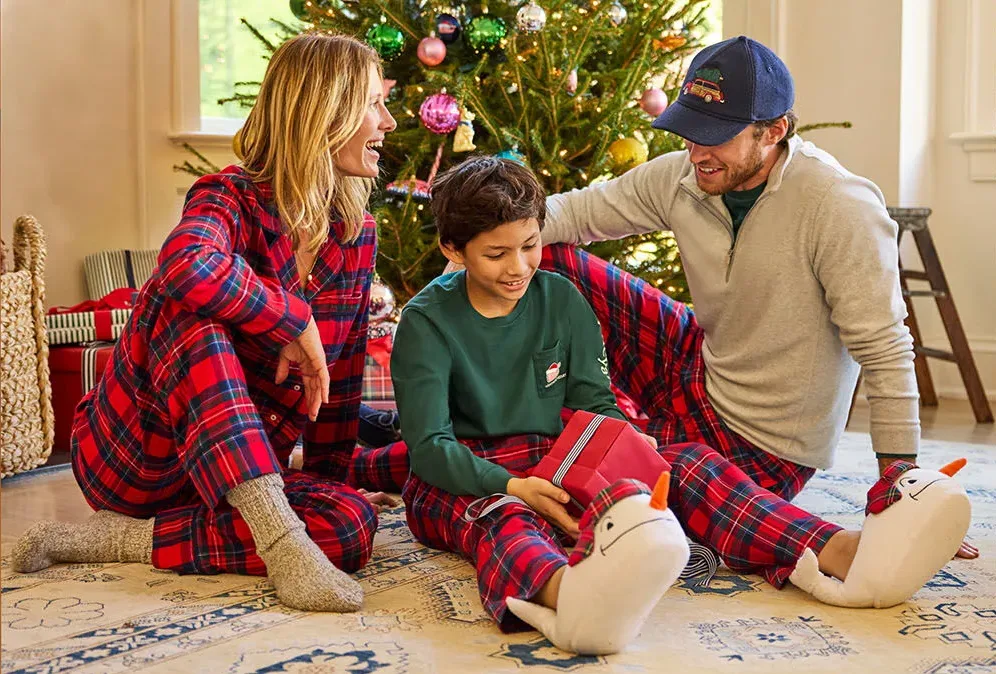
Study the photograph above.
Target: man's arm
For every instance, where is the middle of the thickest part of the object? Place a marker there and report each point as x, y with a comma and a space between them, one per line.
634, 203
856, 259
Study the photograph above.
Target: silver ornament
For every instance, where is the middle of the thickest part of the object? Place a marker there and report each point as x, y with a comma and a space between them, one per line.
618, 14
531, 18
381, 301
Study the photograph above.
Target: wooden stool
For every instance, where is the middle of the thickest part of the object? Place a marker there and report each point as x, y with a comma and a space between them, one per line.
914, 220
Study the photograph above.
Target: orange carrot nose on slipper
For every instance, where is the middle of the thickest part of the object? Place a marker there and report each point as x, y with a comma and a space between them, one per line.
953, 467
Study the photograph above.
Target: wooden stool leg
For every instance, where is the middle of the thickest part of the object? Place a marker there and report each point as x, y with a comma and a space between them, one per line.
952, 325
924, 382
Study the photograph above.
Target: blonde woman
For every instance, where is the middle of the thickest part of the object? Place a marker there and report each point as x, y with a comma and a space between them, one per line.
250, 333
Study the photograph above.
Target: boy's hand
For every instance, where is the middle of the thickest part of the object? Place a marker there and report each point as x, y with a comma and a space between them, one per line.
545, 498
651, 440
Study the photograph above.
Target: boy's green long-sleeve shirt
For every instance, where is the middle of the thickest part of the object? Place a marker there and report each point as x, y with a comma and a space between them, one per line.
458, 374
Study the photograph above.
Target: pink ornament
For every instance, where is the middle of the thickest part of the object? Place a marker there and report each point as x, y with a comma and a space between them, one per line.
440, 113
653, 102
431, 51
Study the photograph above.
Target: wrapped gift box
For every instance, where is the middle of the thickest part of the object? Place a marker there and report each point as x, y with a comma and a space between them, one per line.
80, 327
593, 452
74, 371
109, 270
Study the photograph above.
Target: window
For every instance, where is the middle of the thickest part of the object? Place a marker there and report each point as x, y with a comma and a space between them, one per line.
230, 53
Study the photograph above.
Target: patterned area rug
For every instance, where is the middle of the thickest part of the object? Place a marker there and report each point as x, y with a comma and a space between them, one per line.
423, 614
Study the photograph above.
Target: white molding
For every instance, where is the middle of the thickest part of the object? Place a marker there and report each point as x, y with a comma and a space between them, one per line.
981, 149
979, 68
141, 125
185, 61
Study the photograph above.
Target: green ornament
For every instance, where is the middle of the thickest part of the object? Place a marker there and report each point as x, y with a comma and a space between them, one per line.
388, 40
298, 9
485, 33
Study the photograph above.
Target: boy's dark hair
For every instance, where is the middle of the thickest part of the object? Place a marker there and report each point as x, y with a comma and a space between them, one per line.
480, 194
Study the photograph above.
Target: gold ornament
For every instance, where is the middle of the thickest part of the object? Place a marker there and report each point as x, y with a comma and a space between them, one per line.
627, 153
463, 139
671, 42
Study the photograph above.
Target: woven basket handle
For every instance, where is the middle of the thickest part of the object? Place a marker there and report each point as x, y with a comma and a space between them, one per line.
29, 254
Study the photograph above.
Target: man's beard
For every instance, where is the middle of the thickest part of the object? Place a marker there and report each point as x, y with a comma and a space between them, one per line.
739, 174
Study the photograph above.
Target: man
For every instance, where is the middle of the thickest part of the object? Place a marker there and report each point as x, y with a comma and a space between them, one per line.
792, 265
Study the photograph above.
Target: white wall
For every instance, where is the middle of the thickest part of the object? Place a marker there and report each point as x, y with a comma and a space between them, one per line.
86, 108
68, 129
897, 70
86, 112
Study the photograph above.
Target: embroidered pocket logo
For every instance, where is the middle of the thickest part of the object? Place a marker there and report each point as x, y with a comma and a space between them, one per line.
553, 374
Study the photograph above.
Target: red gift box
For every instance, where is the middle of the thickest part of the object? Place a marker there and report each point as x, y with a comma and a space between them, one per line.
74, 370
593, 452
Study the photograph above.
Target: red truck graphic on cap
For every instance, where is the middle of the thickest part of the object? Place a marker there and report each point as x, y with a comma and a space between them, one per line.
706, 85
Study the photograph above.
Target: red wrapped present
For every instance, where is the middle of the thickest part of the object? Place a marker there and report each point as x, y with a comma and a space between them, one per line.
593, 452
74, 371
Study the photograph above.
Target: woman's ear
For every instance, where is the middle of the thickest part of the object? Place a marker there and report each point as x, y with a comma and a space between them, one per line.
450, 253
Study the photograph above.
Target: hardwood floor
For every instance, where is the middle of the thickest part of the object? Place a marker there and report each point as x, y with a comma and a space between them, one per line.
52, 493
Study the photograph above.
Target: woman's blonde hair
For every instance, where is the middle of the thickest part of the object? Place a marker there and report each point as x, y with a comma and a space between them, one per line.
312, 101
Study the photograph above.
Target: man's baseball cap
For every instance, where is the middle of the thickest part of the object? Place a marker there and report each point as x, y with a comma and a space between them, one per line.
729, 86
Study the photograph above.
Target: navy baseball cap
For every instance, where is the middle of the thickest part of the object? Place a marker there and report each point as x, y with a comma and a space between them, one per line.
729, 86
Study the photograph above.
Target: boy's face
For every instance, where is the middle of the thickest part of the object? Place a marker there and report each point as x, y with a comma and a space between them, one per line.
500, 264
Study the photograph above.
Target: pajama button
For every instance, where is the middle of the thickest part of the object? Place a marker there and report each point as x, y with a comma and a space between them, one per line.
309, 277
273, 417
297, 387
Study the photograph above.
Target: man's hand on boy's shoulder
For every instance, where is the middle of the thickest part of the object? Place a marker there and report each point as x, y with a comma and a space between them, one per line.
545, 498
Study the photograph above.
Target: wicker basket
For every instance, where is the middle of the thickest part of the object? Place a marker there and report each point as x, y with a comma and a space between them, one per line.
26, 419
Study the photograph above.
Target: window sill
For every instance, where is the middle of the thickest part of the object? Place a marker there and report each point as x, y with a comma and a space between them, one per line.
215, 132
981, 149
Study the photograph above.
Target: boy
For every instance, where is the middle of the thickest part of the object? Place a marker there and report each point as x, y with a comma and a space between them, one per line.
491, 355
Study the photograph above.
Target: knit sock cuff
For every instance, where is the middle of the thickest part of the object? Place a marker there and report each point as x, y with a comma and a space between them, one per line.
135, 544
263, 505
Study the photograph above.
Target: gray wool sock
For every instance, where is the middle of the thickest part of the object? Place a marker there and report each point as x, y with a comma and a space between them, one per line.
105, 537
304, 577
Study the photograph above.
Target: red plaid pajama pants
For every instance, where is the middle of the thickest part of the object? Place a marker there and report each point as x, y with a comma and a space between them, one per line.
654, 345
137, 453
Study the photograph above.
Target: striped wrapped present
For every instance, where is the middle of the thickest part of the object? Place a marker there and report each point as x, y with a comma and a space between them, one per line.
109, 270
89, 321
86, 326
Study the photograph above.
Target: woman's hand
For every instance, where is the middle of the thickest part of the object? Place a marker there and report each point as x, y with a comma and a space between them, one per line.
309, 354
649, 439
545, 498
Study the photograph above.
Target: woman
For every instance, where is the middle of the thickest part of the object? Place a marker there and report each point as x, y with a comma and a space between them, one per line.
257, 308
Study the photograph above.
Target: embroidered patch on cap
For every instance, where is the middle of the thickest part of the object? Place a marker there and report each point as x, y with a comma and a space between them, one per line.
706, 85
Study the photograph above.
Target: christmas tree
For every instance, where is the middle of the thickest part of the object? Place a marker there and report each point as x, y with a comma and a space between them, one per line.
568, 87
